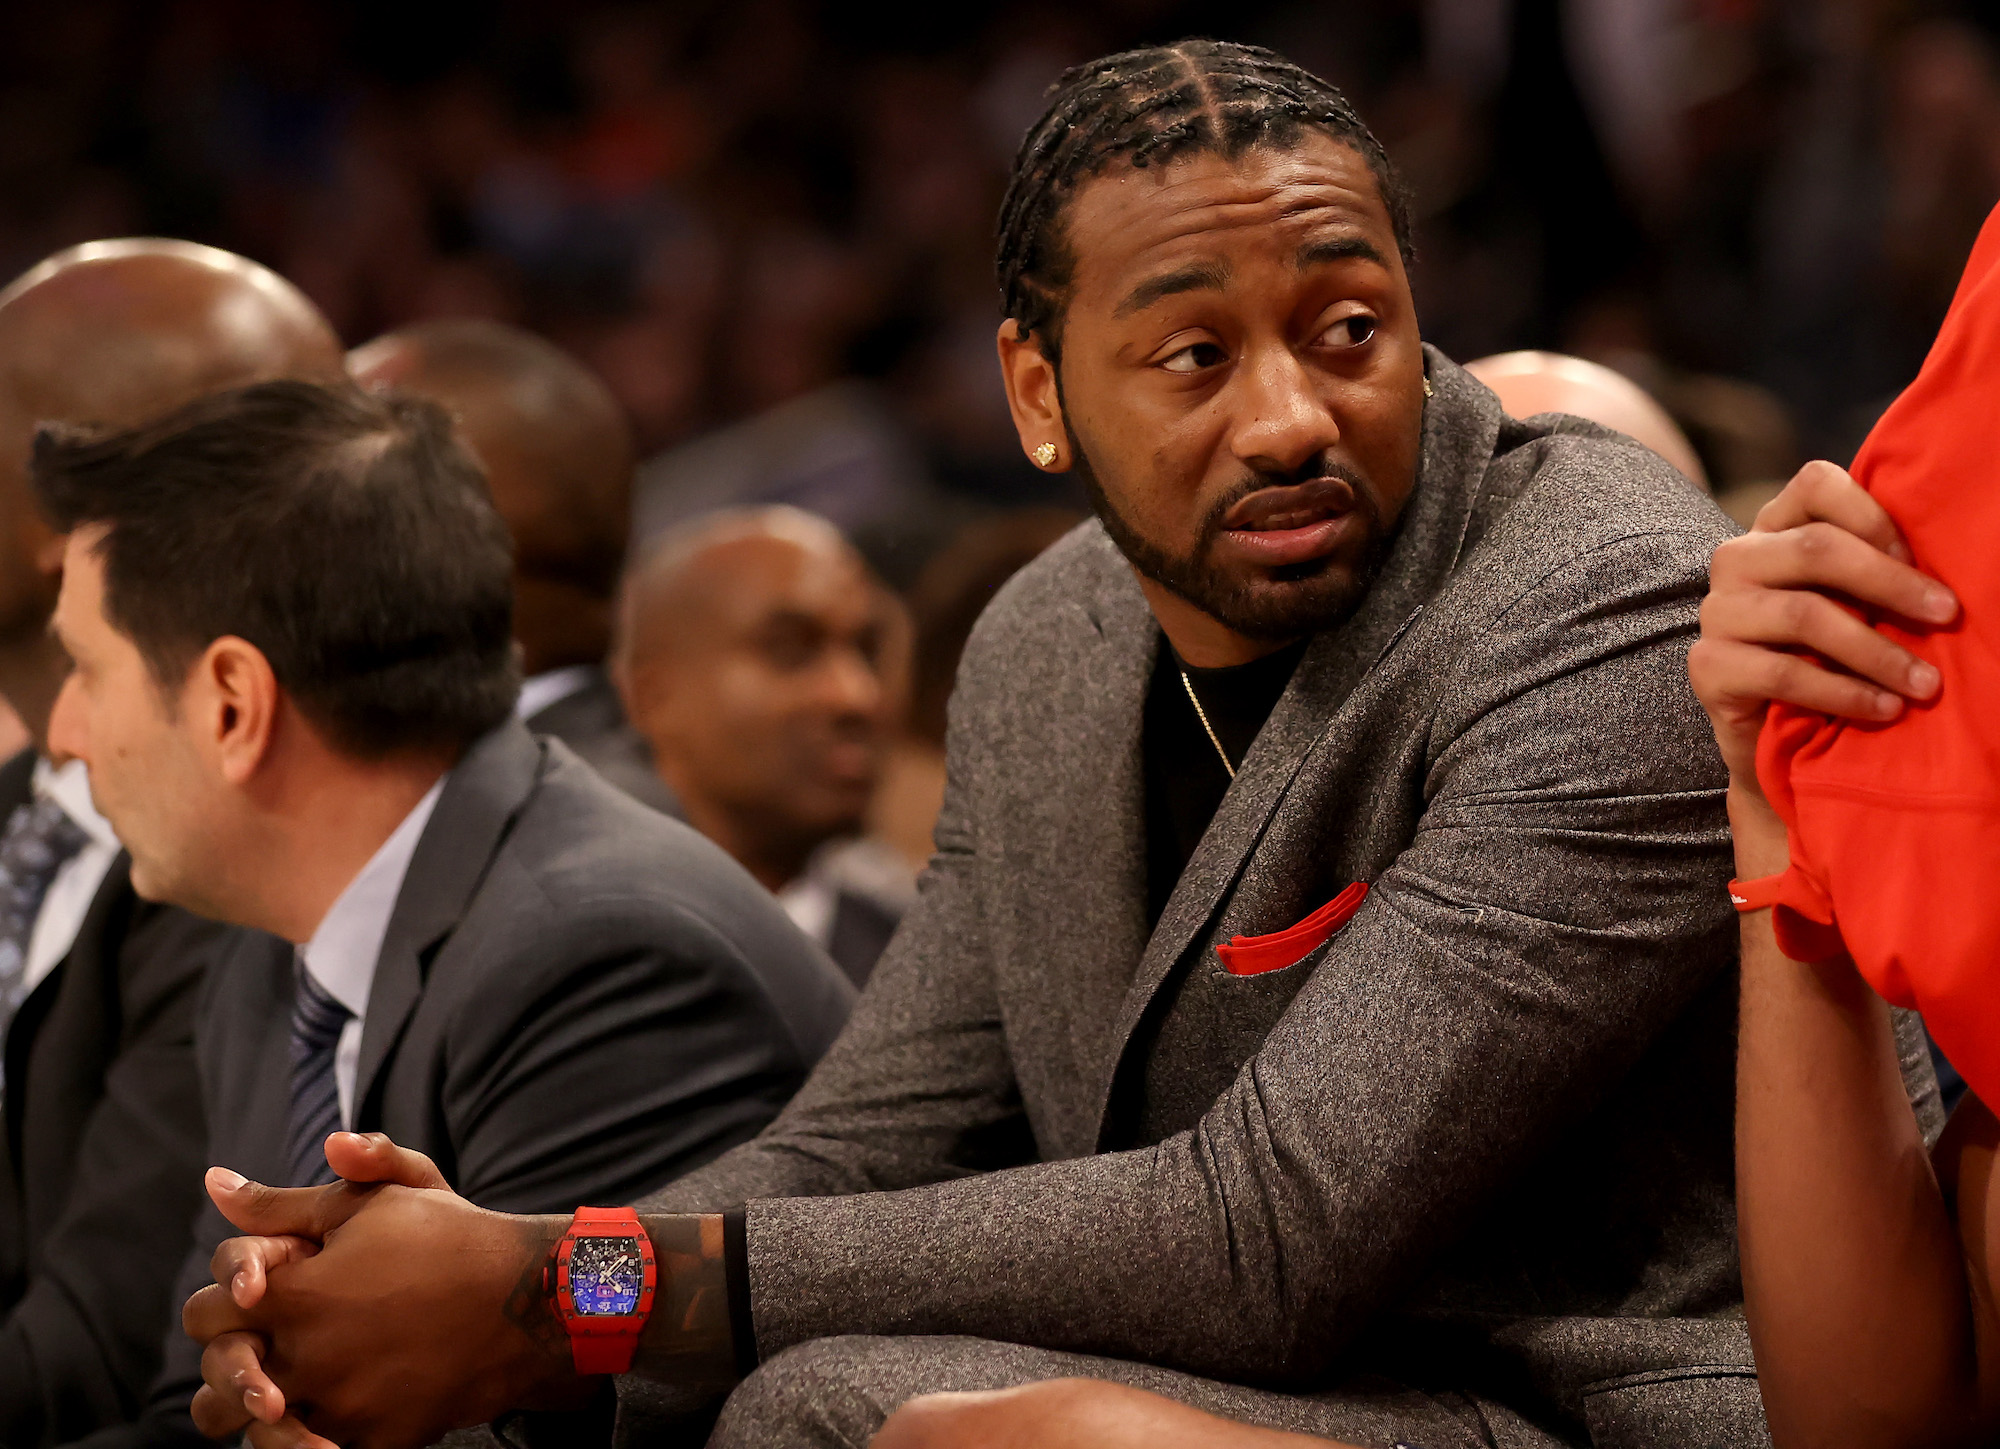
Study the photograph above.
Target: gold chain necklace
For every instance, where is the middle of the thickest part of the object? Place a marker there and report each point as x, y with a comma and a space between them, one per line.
1202, 715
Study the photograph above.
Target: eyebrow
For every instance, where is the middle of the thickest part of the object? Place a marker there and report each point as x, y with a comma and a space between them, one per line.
1337, 249
1203, 276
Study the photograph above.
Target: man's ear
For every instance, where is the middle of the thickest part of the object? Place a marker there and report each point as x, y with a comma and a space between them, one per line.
232, 699
1034, 399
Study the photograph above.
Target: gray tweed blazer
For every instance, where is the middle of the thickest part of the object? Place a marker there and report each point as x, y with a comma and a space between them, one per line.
1479, 1141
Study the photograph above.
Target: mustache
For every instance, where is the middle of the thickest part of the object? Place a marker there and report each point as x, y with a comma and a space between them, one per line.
1257, 480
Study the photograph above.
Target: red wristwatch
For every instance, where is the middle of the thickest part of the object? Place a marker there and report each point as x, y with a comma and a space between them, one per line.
602, 1280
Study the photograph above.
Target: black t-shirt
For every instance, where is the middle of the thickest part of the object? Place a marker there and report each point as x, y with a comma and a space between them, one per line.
1185, 778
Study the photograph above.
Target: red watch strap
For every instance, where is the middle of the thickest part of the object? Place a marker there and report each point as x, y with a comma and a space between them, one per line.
605, 1355
601, 1345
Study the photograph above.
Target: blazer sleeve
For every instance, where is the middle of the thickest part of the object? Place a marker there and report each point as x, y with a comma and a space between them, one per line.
1561, 902
82, 1345
919, 1087
618, 1044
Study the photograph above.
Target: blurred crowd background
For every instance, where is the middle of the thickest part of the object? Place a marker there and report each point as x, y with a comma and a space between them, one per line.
767, 223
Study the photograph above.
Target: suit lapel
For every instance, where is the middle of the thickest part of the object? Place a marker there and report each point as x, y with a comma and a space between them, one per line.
14, 790
1461, 424
485, 791
1079, 878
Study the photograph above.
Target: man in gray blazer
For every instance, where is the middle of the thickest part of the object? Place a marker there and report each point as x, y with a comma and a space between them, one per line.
453, 931
1320, 1007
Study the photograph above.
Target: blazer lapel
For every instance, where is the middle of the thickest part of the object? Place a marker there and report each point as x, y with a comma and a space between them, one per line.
486, 790
1095, 829
17, 789
1461, 424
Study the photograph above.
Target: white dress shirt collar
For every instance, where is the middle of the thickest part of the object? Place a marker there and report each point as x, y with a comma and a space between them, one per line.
344, 949
552, 686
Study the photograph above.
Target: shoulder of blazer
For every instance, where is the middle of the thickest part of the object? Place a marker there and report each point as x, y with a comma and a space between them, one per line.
1074, 570
1079, 594
1561, 496
590, 884
583, 844
1565, 487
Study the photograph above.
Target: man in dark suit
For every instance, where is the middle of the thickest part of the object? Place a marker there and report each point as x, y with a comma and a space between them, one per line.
766, 664
557, 451
97, 988
454, 931
1320, 1008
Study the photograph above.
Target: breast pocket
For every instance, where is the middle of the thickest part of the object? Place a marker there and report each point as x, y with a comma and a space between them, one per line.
1696, 1407
1280, 950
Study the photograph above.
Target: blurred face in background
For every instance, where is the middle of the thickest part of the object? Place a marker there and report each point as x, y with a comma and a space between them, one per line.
766, 669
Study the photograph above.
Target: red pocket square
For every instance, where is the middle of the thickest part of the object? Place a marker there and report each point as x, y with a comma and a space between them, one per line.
1254, 955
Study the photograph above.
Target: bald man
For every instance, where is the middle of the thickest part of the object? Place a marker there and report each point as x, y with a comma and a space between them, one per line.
98, 989
765, 664
1528, 383
557, 450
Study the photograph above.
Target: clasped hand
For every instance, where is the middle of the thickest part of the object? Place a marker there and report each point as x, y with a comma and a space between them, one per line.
378, 1312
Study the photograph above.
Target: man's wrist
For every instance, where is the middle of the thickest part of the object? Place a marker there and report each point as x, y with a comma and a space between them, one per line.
1763, 847
689, 1339
549, 1366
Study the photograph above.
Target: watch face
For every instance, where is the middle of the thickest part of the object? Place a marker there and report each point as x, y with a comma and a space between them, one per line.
605, 1276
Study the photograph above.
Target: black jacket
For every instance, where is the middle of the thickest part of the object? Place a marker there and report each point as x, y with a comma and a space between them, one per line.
103, 1112
578, 999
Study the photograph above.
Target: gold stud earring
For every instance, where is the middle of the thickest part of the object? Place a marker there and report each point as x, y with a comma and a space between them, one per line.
1427, 388
1045, 455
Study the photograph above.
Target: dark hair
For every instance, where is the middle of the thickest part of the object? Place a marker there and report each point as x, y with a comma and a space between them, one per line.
349, 537
1149, 107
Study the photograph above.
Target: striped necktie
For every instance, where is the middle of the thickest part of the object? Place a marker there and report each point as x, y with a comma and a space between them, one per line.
38, 839
317, 1021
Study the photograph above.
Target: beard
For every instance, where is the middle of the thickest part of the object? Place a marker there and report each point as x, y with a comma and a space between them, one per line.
1274, 605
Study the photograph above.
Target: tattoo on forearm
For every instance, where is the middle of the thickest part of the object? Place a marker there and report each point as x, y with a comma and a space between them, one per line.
531, 1307
687, 1338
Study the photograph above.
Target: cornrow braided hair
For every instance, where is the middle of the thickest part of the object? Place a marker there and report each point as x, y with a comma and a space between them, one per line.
1150, 107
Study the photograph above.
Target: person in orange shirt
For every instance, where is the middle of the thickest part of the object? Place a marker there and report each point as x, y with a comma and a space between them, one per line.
1868, 1263
1848, 667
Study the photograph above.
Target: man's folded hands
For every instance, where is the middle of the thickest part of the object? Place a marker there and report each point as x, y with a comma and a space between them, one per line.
363, 1313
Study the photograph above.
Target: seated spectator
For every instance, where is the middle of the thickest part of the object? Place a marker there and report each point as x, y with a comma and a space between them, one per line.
765, 666
1528, 383
1850, 695
452, 931
557, 452
98, 989
1322, 983
1866, 1258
